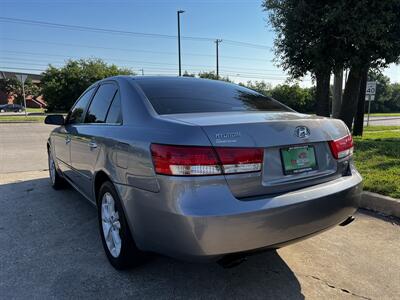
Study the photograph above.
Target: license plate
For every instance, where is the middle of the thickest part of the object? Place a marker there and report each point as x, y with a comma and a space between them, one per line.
298, 159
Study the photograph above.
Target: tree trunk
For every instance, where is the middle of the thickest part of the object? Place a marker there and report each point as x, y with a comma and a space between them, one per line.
322, 93
359, 118
337, 93
350, 97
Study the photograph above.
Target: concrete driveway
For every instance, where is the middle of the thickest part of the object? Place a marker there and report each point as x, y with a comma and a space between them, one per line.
50, 248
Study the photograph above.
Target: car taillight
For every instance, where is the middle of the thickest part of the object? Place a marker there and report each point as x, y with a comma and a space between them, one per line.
194, 160
342, 147
240, 160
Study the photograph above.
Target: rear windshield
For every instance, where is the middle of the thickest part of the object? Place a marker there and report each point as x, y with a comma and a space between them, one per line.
180, 96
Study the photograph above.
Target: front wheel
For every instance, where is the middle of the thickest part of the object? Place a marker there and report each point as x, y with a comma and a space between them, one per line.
57, 182
116, 237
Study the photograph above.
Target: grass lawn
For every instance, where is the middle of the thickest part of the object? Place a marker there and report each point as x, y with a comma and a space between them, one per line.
21, 118
35, 110
377, 157
380, 128
385, 115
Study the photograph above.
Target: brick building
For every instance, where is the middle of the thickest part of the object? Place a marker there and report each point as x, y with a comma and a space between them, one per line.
37, 102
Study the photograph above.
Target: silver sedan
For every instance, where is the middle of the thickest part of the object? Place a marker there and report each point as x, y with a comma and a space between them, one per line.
201, 170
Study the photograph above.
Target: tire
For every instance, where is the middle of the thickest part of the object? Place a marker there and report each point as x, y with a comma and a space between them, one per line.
2, 110
118, 244
56, 181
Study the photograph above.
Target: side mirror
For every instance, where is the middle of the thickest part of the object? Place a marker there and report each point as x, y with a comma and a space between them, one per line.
54, 120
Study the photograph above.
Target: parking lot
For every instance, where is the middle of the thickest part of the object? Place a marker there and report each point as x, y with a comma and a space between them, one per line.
50, 247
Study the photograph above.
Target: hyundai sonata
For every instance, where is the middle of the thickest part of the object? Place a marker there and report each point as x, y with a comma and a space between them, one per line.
201, 169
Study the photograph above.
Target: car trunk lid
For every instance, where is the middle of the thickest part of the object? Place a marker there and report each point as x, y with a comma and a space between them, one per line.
278, 133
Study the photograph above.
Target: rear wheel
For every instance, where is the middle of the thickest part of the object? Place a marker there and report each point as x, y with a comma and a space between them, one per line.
57, 182
116, 237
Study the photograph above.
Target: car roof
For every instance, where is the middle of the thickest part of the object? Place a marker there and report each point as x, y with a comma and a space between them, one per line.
174, 79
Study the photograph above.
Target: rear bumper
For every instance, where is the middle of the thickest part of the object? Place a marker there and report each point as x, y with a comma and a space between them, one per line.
189, 219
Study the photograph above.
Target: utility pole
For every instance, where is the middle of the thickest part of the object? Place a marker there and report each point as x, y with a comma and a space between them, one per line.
217, 41
178, 13
142, 71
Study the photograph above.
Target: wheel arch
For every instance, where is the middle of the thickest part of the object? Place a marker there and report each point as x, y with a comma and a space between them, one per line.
100, 177
48, 145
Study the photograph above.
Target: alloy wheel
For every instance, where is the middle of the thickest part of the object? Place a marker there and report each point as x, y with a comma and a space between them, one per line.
111, 224
52, 169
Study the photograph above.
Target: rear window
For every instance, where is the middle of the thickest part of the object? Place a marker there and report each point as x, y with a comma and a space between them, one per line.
180, 96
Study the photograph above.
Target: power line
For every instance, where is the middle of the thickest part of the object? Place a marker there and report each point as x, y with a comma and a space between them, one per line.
137, 61
260, 77
123, 32
193, 69
88, 46
130, 49
244, 44
24, 69
166, 74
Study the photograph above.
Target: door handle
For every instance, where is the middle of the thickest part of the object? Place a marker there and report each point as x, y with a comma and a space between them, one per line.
67, 139
92, 145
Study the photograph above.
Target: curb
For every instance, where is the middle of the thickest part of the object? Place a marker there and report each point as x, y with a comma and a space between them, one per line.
379, 203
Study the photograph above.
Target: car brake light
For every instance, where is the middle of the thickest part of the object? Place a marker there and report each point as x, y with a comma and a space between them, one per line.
194, 160
342, 147
240, 160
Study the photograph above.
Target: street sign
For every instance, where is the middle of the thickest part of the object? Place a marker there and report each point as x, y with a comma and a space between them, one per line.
371, 88
369, 97
21, 77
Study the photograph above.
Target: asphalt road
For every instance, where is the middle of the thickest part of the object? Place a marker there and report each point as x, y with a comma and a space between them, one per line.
50, 248
23, 147
385, 121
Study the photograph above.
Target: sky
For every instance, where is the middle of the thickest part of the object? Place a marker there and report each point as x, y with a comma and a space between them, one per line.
30, 47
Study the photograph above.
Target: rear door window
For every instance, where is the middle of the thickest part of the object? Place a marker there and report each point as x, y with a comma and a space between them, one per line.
114, 115
98, 109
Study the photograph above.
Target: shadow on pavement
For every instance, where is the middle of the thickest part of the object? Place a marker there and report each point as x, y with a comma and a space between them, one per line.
50, 247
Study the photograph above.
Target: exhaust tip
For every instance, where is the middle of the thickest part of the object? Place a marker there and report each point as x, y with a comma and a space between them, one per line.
347, 221
231, 261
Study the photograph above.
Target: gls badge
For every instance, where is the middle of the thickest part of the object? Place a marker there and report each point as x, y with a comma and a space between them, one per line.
227, 137
302, 132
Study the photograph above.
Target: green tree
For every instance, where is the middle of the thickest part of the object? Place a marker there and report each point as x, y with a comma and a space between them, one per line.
187, 74
394, 104
294, 96
304, 41
370, 31
13, 87
323, 36
212, 75
62, 86
300, 99
387, 94
260, 86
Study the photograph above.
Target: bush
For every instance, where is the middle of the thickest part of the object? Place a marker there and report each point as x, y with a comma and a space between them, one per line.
62, 86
